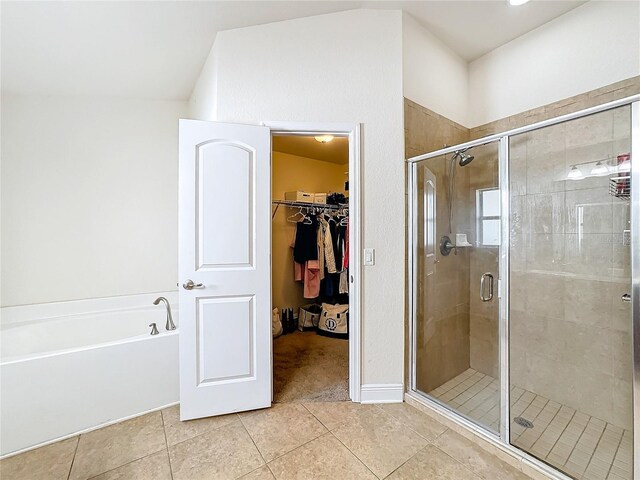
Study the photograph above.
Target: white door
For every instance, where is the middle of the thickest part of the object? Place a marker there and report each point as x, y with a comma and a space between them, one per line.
224, 268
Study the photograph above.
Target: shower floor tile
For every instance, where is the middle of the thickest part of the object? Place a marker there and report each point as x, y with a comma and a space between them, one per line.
582, 446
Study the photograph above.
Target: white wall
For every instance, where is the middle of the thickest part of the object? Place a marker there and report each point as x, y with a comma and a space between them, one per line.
433, 75
587, 48
343, 67
89, 197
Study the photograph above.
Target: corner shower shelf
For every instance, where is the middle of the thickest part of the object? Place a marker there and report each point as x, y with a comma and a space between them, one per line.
620, 187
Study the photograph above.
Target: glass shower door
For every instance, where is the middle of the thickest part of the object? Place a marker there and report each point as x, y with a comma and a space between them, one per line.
456, 248
569, 314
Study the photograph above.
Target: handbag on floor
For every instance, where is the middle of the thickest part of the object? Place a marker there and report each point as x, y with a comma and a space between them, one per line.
309, 316
334, 321
276, 323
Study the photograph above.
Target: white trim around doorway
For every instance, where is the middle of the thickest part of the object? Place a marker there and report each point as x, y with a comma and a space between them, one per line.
352, 132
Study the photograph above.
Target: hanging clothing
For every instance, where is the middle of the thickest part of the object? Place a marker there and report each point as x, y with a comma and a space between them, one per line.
344, 282
341, 231
312, 279
345, 262
335, 240
305, 245
329, 258
320, 247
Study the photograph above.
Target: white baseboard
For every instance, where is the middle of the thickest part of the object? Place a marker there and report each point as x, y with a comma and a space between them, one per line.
382, 393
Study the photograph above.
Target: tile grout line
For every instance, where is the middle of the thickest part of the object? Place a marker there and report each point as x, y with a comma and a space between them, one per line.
140, 458
460, 383
561, 433
209, 430
254, 443
615, 454
409, 426
576, 445
593, 454
125, 464
469, 387
537, 415
454, 386
356, 456
166, 442
407, 460
522, 410
75, 452
288, 451
342, 443
465, 466
577, 441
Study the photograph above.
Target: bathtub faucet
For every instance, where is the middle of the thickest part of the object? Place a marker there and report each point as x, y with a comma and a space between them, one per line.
170, 325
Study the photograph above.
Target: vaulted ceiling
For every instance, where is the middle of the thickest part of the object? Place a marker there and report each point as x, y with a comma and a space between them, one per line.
156, 49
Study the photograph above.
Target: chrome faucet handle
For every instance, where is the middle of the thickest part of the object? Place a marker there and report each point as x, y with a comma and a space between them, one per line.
154, 329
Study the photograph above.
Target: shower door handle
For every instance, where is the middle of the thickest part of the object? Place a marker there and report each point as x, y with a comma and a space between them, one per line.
483, 281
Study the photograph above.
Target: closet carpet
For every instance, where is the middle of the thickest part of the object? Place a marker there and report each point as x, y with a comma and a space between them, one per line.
310, 368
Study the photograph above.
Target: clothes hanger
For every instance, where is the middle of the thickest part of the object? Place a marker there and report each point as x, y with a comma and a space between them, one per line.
299, 212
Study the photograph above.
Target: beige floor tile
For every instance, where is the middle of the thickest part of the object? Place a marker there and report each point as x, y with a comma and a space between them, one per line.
50, 462
432, 463
110, 447
334, 414
323, 458
380, 441
178, 431
282, 428
224, 453
478, 460
424, 425
153, 467
262, 473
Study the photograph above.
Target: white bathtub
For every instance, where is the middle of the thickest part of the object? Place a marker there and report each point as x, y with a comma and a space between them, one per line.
74, 366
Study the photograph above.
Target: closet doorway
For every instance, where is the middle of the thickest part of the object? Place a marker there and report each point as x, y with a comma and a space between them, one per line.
315, 239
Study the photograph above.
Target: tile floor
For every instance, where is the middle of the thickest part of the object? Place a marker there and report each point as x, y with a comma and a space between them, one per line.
327, 440
583, 446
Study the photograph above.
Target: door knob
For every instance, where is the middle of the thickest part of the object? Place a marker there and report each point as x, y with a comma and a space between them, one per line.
626, 297
189, 285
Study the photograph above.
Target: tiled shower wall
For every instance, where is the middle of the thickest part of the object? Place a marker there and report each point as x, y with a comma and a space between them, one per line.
570, 331
443, 335
427, 131
483, 316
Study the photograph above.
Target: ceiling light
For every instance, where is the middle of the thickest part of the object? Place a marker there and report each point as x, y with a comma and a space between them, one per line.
575, 174
324, 138
515, 3
599, 169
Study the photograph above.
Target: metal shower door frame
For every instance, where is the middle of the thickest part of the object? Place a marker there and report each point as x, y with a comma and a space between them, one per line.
502, 441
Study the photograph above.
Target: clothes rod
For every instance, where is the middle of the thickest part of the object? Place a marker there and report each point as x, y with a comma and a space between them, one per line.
308, 206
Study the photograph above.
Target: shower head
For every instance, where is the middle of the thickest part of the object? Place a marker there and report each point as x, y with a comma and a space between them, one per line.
463, 158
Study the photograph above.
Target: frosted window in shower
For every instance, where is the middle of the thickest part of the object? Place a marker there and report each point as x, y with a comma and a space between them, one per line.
430, 220
488, 208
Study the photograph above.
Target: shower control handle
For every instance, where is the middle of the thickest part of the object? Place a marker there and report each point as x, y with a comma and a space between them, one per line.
189, 285
483, 280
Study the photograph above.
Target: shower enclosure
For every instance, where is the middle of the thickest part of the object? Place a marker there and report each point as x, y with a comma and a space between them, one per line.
525, 288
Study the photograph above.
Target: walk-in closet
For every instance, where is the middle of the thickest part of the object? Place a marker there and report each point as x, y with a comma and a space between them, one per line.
310, 260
